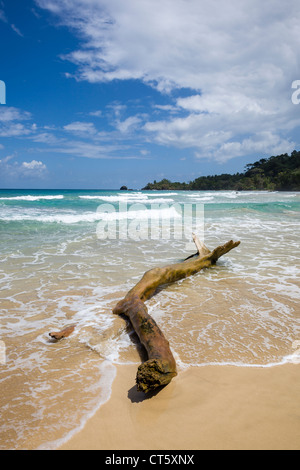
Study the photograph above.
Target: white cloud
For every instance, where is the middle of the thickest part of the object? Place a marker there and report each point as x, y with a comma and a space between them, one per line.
167, 107
13, 114
261, 143
81, 127
3, 16
33, 169
221, 136
225, 104
128, 124
94, 150
197, 44
9, 125
15, 170
14, 130
83, 139
33, 165
97, 113
16, 30
46, 138
240, 58
4, 160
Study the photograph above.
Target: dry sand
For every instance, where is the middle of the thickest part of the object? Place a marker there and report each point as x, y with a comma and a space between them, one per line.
210, 407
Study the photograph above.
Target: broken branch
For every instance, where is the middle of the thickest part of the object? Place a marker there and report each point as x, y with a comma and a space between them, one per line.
160, 367
63, 333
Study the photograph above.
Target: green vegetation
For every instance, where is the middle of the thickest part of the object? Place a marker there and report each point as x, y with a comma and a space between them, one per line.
280, 173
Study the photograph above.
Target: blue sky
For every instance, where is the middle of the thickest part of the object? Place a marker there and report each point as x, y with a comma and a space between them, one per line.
101, 93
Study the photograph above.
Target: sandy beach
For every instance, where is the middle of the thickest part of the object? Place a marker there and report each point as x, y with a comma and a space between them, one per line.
204, 408
233, 328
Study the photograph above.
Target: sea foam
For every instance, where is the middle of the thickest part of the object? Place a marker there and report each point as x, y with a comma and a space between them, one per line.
32, 198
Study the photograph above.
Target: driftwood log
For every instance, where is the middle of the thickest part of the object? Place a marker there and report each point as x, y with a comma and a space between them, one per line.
160, 367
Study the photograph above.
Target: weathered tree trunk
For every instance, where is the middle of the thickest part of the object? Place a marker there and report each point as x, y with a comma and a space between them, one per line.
160, 367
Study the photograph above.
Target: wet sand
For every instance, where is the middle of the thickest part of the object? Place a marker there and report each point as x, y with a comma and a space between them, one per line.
204, 408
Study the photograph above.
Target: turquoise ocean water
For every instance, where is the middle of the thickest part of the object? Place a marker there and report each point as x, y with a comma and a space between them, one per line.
67, 257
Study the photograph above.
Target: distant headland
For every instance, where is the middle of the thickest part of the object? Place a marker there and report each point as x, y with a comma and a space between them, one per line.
279, 173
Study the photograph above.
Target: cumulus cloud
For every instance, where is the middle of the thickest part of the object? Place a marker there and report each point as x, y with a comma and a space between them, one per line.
195, 44
33, 166
256, 144
240, 58
33, 169
26, 170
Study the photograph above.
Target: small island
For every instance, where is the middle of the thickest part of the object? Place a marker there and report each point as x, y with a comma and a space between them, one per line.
277, 173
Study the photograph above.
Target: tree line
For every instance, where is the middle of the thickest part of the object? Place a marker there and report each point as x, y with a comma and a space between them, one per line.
277, 173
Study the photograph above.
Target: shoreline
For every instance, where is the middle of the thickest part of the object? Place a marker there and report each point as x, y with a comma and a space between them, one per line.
203, 408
